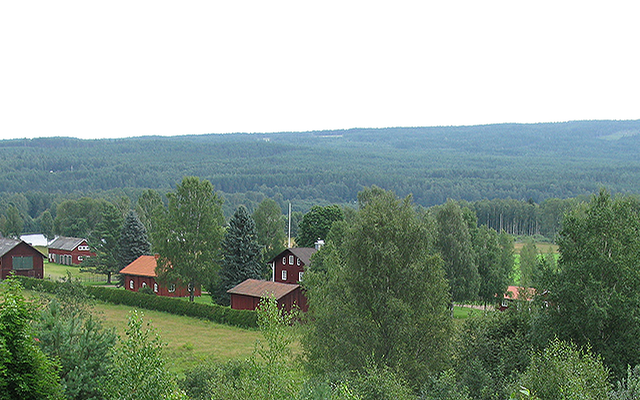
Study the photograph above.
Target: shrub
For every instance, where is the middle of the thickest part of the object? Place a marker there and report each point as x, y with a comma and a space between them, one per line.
211, 312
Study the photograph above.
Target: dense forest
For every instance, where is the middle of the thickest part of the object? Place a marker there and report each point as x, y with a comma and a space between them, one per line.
512, 175
517, 161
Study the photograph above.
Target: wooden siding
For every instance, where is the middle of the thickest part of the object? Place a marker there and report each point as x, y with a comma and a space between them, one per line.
22, 250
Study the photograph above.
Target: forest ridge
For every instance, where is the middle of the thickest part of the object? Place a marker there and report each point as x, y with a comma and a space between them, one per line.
519, 161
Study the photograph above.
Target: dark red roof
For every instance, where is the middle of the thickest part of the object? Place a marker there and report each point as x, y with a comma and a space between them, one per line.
303, 253
257, 288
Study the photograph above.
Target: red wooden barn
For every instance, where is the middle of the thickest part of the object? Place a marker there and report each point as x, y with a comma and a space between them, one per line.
288, 266
142, 272
247, 295
20, 258
69, 250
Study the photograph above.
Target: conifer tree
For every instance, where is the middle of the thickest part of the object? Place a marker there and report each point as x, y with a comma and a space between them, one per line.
104, 240
241, 254
133, 240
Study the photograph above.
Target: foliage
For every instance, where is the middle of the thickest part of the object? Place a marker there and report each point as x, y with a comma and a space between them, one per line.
629, 388
149, 204
445, 387
270, 225
45, 223
562, 371
494, 258
139, 371
211, 312
188, 235
316, 224
70, 334
596, 292
13, 224
133, 241
25, 372
105, 242
380, 299
77, 218
241, 255
267, 375
530, 265
454, 243
491, 350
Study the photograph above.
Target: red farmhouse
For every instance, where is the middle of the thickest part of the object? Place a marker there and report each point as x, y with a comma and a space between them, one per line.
69, 250
142, 272
20, 258
247, 295
288, 266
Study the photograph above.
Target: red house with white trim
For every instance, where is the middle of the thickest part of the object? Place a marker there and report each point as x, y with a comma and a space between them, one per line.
69, 250
288, 266
20, 258
142, 272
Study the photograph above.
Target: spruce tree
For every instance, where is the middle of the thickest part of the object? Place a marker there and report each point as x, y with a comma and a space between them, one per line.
133, 240
241, 254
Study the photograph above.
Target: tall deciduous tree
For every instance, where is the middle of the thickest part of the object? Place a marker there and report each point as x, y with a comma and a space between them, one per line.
596, 293
241, 254
148, 206
494, 268
77, 218
380, 297
270, 228
453, 240
530, 265
25, 372
105, 242
316, 224
189, 234
133, 240
46, 225
13, 224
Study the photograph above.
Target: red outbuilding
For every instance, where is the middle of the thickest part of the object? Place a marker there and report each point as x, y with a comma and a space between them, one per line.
142, 272
20, 258
69, 250
247, 295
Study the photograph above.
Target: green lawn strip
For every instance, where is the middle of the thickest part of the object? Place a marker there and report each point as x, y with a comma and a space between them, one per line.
57, 271
190, 341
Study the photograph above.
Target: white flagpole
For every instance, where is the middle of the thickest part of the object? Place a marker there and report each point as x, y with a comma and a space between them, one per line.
289, 225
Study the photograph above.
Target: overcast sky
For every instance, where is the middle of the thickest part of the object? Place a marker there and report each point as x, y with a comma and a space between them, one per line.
102, 69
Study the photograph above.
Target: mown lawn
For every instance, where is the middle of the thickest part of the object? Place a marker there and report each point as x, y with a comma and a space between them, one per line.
56, 271
189, 341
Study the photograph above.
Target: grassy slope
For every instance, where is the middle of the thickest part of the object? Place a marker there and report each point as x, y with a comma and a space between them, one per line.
190, 341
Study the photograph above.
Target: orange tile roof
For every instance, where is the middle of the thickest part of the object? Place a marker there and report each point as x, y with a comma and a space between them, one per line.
142, 266
514, 293
257, 288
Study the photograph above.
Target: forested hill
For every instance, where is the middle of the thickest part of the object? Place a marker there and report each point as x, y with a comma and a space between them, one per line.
520, 161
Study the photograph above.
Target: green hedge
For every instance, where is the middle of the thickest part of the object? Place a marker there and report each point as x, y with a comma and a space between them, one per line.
212, 312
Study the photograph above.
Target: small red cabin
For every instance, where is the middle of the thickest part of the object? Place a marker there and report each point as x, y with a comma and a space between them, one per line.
247, 295
288, 266
142, 272
69, 250
20, 258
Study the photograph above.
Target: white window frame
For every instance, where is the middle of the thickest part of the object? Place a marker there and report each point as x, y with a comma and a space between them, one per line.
131, 284
300, 274
284, 275
155, 287
290, 260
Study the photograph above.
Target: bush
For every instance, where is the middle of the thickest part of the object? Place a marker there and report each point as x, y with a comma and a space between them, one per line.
564, 372
211, 312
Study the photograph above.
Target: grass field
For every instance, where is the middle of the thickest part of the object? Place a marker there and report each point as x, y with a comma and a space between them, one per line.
190, 341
